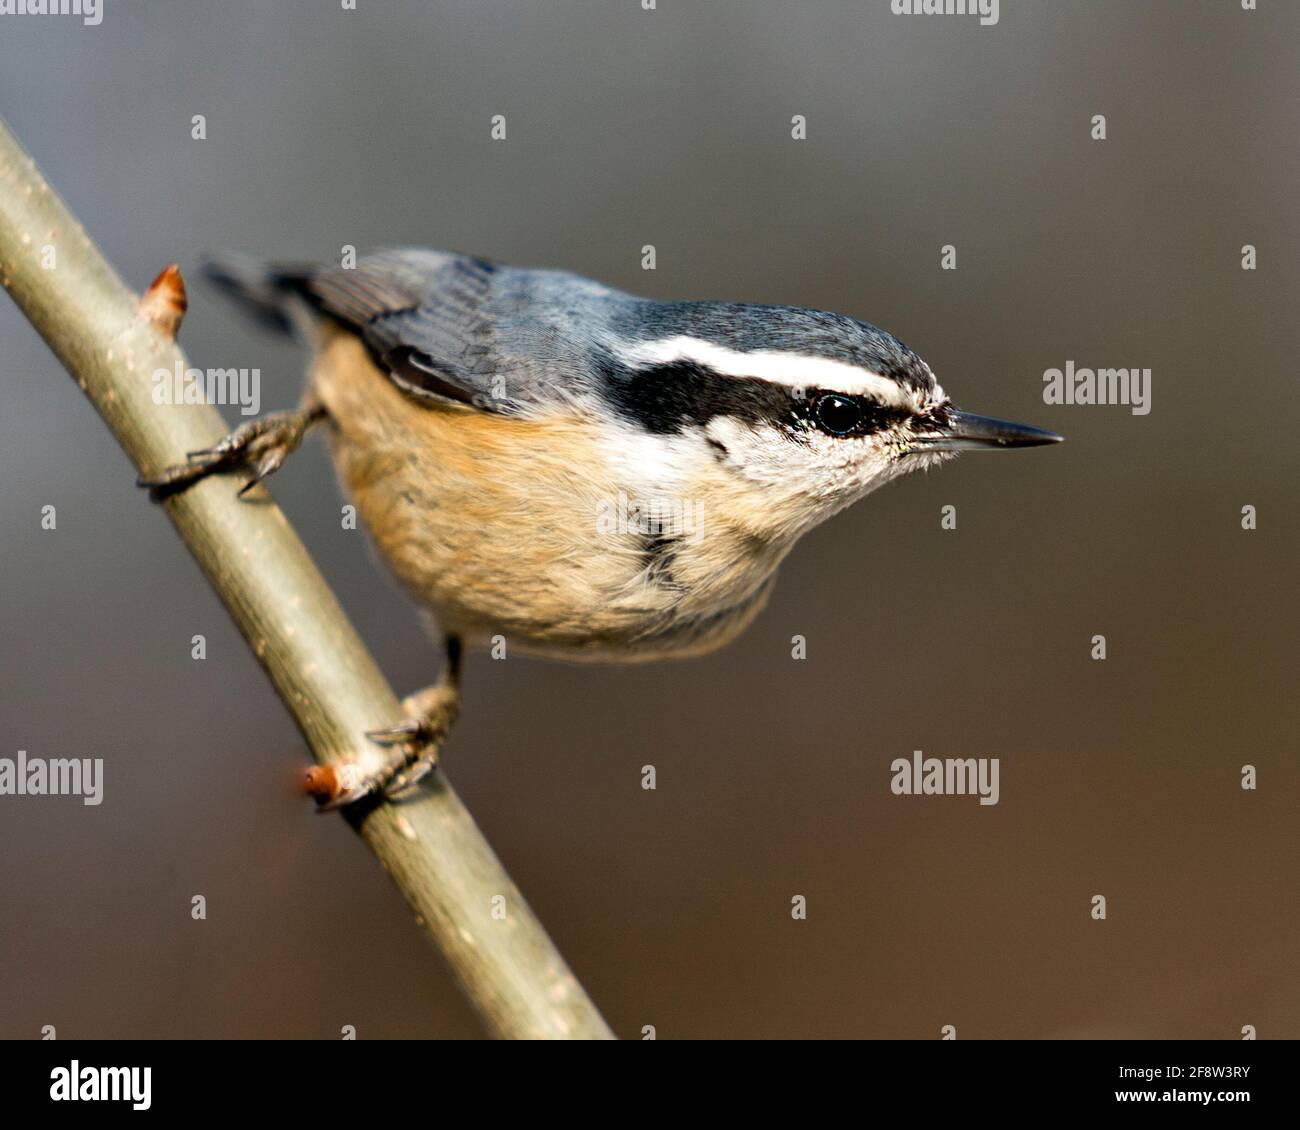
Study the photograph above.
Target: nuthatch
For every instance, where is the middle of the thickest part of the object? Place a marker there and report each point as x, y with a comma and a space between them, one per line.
588, 474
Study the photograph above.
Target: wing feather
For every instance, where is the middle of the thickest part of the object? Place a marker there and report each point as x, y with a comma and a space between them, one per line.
425, 316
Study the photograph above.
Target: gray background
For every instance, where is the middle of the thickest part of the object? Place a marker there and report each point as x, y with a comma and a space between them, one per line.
672, 127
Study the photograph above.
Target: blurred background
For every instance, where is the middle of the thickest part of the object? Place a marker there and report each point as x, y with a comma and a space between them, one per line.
672, 127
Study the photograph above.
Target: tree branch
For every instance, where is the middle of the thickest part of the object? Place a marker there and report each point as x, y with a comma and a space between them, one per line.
430, 845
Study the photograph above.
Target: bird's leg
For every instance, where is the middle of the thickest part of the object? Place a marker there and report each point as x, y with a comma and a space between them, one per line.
429, 716
260, 446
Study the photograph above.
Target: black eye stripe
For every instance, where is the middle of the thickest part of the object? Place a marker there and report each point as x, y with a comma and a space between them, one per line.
665, 399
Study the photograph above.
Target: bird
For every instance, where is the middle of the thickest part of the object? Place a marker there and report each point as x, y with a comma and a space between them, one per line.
583, 473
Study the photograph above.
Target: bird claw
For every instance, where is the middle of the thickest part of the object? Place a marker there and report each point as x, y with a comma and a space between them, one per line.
342, 786
404, 733
403, 781
421, 736
343, 800
429, 717
260, 446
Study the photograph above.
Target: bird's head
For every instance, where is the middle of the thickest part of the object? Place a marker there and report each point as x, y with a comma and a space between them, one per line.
809, 410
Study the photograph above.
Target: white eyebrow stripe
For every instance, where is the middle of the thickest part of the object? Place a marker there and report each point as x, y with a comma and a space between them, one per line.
794, 370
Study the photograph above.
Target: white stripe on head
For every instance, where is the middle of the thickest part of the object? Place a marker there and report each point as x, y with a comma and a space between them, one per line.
794, 370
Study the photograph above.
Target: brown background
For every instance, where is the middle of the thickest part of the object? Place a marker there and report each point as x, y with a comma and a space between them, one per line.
671, 127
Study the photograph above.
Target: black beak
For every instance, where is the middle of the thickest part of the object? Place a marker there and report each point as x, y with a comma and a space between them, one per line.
962, 431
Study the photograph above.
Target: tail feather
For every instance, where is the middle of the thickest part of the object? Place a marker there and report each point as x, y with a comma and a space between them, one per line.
270, 294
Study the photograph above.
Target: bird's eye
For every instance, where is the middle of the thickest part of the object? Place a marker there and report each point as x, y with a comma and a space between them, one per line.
837, 414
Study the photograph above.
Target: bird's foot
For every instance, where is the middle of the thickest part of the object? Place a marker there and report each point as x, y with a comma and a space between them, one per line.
428, 717
260, 446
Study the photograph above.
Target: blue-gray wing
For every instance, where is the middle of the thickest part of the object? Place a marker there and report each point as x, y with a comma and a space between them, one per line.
462, 330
